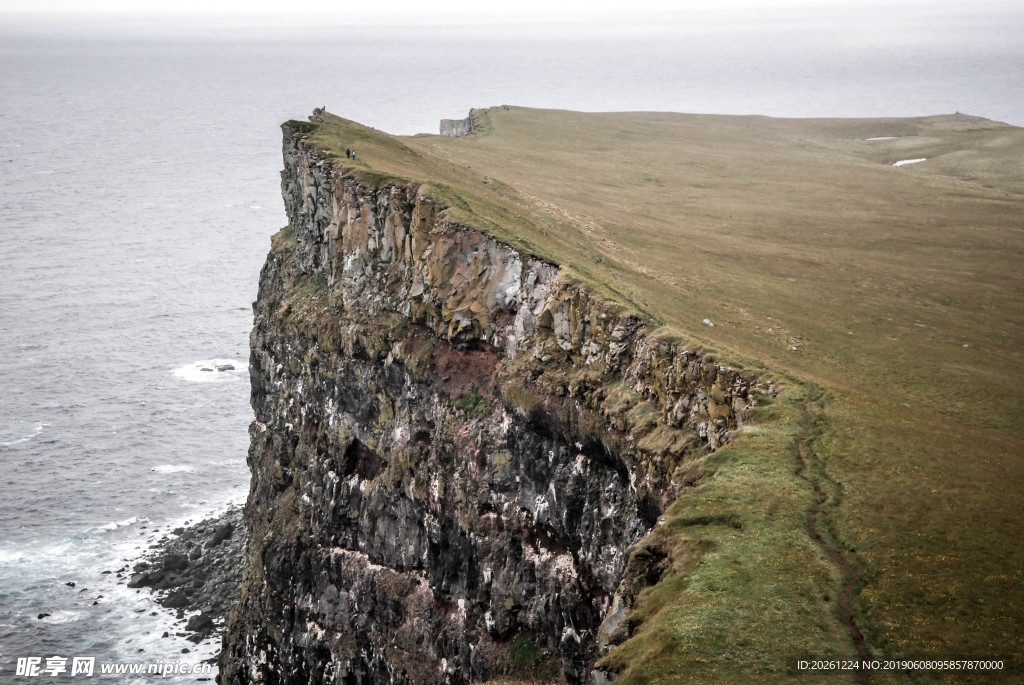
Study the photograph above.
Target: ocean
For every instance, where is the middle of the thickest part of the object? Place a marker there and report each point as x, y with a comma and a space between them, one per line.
139, 164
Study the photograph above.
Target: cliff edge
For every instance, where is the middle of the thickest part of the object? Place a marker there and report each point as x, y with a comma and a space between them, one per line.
455, 447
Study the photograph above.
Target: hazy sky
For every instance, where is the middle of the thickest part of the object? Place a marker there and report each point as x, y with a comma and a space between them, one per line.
322, 6
466, 7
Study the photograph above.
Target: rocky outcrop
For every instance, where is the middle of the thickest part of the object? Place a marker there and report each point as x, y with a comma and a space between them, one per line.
455, 447
457, 127
196, 572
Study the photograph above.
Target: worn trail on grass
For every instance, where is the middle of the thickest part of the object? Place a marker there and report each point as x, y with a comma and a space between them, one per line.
851, 577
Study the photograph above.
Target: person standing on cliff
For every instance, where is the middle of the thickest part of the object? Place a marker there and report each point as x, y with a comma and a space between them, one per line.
348, 153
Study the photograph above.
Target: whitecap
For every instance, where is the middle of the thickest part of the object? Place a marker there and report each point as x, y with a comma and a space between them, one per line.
910, 161
882, 138
9, 557
211, 370
23, 437
114, 525
62, 616
172, 468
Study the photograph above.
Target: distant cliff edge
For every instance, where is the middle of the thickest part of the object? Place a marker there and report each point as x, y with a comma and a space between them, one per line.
457, 127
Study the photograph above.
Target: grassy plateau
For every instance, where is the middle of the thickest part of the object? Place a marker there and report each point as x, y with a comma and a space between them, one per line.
889, 301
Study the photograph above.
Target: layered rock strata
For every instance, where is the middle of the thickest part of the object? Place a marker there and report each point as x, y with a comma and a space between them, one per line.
454, 447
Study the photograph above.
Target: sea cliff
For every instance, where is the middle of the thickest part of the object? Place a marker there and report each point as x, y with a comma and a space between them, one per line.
455, 447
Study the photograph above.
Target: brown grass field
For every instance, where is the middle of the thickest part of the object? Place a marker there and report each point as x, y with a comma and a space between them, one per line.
889, 300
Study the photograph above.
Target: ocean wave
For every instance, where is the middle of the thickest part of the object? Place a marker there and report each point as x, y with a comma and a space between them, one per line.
21, 436
211, 370
172, 468
114, 525
10, 556
63, 616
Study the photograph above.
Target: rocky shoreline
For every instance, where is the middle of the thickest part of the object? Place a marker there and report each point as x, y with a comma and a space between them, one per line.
195, 570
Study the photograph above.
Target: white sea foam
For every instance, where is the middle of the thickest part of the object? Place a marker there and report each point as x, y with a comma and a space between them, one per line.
172, 468
205, 370
910, 161
10, 556
129, 620
23, 437
883, 138
114, 525
63, 617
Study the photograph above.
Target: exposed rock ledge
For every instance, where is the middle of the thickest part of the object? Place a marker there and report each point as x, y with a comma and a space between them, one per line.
457, 127
454, 448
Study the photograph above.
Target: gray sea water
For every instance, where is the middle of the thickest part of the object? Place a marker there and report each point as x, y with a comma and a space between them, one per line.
139, 186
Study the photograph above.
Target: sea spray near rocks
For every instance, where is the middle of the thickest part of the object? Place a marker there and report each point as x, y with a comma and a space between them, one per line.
196, 573
211, 370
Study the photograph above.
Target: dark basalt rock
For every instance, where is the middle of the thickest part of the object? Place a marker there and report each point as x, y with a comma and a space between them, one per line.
145, 579
175, 562
199, 623
175, 599
220, 534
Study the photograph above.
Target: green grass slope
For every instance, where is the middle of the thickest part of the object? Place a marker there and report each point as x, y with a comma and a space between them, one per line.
891, 299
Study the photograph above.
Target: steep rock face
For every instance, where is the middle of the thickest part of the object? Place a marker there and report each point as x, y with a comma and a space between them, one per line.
457, 127
454, 448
